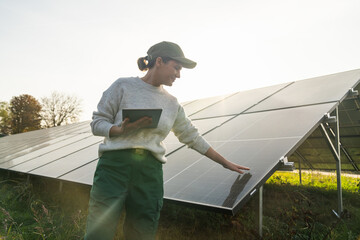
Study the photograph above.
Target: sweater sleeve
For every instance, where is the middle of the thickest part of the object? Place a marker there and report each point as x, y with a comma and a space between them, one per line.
188, 134
107, 109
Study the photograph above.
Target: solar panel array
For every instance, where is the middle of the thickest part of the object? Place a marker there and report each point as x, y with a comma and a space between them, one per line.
254, 128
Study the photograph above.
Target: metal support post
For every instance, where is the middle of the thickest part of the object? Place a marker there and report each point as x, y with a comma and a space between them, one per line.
302, 158
261, 211
338, 164
344, 150
335, 150
60, 186
300, 172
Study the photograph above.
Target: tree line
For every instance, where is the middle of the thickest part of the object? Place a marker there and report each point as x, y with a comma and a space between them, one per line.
25, 113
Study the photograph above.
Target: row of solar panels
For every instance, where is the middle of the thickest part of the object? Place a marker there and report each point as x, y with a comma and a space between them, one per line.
254, 128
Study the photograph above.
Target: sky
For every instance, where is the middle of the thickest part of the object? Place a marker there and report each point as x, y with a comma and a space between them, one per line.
80, 47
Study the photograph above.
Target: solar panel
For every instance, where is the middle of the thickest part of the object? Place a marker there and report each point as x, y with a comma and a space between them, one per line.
197, 105
254, 128
208, 185
257, 140
66, 164
20, 144
237, 103
56, 155
83, 174
47, 147
205, 125
323, 89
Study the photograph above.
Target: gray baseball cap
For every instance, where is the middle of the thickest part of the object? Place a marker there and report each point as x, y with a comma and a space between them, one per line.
170, 50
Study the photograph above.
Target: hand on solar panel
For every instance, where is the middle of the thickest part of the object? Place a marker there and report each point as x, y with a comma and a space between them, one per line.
215, 156
128, 127
234, 167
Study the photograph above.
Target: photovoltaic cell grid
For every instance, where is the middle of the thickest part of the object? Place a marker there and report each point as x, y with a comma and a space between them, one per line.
254, 128
21, 144
250, 139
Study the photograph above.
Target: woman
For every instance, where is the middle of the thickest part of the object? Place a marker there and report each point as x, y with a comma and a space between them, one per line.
129, 172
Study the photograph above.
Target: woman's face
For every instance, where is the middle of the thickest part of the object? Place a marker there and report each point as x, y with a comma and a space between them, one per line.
168, 72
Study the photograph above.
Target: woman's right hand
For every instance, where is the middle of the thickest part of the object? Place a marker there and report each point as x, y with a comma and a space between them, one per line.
128, 127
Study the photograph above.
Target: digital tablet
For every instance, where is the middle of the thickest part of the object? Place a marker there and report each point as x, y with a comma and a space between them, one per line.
136, 114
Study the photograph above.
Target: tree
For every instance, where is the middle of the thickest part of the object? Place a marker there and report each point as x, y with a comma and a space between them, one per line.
25, 114
60, 109
5, 120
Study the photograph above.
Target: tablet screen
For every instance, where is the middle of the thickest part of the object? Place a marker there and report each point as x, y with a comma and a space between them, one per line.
136, 114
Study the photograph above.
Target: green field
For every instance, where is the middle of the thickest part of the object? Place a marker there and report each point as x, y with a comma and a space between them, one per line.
37, 210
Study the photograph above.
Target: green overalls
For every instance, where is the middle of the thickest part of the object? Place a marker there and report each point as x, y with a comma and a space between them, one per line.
132, 178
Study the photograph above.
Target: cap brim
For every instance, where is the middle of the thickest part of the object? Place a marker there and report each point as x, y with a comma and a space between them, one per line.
186, 63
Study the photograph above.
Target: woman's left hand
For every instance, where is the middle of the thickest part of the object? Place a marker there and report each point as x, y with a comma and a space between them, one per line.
234, 167
215, 156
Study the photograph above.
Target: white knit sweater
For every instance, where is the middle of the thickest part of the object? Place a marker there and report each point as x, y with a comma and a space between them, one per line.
135, 93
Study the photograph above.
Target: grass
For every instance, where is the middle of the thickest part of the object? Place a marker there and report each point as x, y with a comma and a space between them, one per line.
36, 210
295, 211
